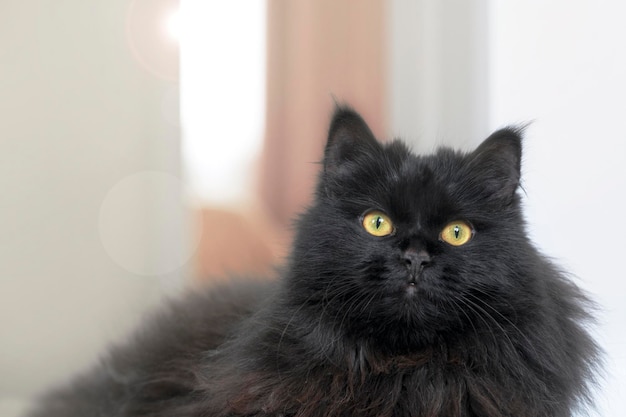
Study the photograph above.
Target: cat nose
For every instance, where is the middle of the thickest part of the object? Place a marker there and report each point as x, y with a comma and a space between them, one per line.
416, 259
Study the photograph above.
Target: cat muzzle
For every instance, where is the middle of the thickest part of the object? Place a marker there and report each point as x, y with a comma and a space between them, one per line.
415, 261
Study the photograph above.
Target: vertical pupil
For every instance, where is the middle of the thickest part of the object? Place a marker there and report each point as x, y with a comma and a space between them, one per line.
457, 231
379, 221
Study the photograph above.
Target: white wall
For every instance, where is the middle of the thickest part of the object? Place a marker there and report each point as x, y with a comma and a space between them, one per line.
562, 64
438, 72
90, 209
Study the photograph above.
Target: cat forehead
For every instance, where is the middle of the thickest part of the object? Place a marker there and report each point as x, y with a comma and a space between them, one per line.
444, 165
408, 182
391, 177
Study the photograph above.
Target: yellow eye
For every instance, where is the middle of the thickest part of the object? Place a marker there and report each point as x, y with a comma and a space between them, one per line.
457, 233
377, 223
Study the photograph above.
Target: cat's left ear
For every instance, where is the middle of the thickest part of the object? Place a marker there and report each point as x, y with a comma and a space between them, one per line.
497, 163
349, 139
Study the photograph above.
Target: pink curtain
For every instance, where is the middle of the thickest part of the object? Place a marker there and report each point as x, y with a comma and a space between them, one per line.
319, 52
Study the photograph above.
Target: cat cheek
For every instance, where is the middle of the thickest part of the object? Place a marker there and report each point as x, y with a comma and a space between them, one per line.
376, 268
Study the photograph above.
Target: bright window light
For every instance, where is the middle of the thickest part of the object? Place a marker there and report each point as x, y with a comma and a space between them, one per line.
222, 80
173, 25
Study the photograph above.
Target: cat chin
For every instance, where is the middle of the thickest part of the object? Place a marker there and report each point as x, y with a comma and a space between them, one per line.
416, 289
417, 312
410, 290
413, 293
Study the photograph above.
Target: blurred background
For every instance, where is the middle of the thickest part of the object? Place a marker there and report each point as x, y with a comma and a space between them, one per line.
148, 146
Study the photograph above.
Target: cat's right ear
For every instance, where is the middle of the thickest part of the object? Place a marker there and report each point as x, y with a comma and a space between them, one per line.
349, 139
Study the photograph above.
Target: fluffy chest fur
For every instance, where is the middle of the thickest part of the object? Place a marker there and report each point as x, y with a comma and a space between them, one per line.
433, 383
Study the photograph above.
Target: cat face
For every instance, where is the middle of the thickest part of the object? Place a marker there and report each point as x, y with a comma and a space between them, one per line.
404, 249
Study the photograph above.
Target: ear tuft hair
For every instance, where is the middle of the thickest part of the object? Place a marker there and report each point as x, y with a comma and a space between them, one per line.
348, 138
497, 162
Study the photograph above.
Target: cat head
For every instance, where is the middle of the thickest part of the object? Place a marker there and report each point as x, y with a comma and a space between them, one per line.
405, 249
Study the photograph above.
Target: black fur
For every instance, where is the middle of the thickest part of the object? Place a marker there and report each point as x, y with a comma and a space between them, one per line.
490, 328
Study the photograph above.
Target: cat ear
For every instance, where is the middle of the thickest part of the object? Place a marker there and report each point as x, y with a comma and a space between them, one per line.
349, 138
496, 163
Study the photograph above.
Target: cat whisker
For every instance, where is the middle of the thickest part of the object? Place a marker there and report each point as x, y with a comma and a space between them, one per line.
483, 289
369, 315
352, 300
469, 319
478, 309
284, 331
338, 291
513, 325
480, 313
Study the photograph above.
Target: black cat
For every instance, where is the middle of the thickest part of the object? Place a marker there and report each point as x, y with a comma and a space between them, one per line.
411, 290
